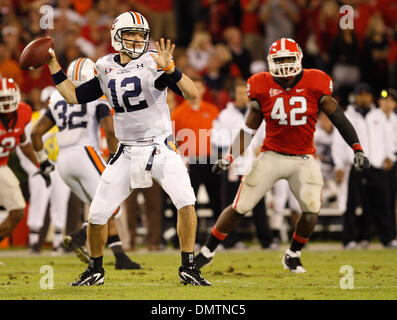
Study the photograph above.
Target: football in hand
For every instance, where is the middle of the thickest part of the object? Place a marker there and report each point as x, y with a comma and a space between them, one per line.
36, 54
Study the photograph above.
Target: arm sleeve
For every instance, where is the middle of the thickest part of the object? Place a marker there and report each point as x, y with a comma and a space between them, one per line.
102, 110
165, 81
89, 91
344, 126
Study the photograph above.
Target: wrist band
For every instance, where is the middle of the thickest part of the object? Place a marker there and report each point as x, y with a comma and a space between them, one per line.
169, 67
248, 130
41, 155
59, 77
176, 75
357, 147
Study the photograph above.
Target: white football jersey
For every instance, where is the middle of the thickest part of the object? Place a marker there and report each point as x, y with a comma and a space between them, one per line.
77, 123
141, 110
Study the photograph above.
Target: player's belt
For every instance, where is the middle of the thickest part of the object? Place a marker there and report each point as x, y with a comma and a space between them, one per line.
303, 156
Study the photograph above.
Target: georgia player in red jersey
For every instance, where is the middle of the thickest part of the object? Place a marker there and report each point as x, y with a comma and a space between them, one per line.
288, 98
14, 116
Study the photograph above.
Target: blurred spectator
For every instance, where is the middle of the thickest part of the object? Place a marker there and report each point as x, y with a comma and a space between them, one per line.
91, 30
240, 55
326, 25
9, 68
152, 210
352, 183
193, 122
187, 14
36, 79
388, 8
219, 15
10, 36
279, 18
200, 50
82, 6
344, 63
250, 26
64, 10
381, 154
225, 128
161, 17
376, 51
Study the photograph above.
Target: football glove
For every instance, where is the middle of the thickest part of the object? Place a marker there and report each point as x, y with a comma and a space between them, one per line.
222, 164
360, 161
45, 169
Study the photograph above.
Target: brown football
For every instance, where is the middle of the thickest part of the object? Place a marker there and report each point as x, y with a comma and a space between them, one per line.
36, 54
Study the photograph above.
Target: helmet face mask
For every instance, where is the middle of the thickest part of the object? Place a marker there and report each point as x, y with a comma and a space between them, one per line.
134, 48
10, 96
285, 58
130, 23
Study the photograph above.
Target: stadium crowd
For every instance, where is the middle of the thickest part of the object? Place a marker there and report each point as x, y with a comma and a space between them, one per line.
220, 44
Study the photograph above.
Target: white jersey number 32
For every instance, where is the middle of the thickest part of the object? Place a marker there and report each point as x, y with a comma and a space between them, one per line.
278, 111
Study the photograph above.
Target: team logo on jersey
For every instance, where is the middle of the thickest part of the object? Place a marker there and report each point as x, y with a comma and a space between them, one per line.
299, 90
274, 92
108, 69
139, 65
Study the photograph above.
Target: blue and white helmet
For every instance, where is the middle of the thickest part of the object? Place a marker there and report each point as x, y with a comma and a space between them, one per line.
130, 21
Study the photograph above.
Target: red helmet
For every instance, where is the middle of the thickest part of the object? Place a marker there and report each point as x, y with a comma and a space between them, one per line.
10, 95
284, 48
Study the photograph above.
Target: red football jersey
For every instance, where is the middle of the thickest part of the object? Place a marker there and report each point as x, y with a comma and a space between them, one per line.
10, 136
290, 115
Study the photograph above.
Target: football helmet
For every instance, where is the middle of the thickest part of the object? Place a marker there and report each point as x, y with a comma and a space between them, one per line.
133, 22
81, 70
10, 95
284, 48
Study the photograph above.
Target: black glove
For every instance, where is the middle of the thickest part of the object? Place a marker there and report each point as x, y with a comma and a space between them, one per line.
45, 168
222, 164
360, 161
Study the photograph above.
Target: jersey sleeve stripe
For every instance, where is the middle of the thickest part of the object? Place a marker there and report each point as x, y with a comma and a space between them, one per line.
95, 159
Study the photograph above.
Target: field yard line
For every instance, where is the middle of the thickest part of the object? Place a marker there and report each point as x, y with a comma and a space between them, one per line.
249, 284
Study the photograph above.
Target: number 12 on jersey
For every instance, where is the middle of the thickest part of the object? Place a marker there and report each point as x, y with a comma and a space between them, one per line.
278, 111
136, 82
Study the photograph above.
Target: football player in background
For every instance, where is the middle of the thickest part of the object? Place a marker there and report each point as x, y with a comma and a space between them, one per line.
56, 195
79, 163
14, 116
135, 81
288, 98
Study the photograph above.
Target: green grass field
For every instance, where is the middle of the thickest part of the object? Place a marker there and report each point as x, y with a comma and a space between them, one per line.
239, 275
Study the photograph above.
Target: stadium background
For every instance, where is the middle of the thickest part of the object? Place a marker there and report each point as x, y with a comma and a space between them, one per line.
218, 40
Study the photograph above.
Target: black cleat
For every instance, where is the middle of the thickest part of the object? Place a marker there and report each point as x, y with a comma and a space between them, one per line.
70, 243
204, 258
292, 261
125, 263
90, 278
191, 274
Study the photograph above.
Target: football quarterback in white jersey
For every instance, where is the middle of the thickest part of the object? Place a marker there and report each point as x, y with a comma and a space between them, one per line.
79, 163
135, 82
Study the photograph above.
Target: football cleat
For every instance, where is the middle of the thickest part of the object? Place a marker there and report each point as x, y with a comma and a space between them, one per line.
90, 277
204, 258
292, 261
191, 274
70, 243
125, 263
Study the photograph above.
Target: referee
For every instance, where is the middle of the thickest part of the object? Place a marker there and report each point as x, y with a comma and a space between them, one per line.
382, 124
